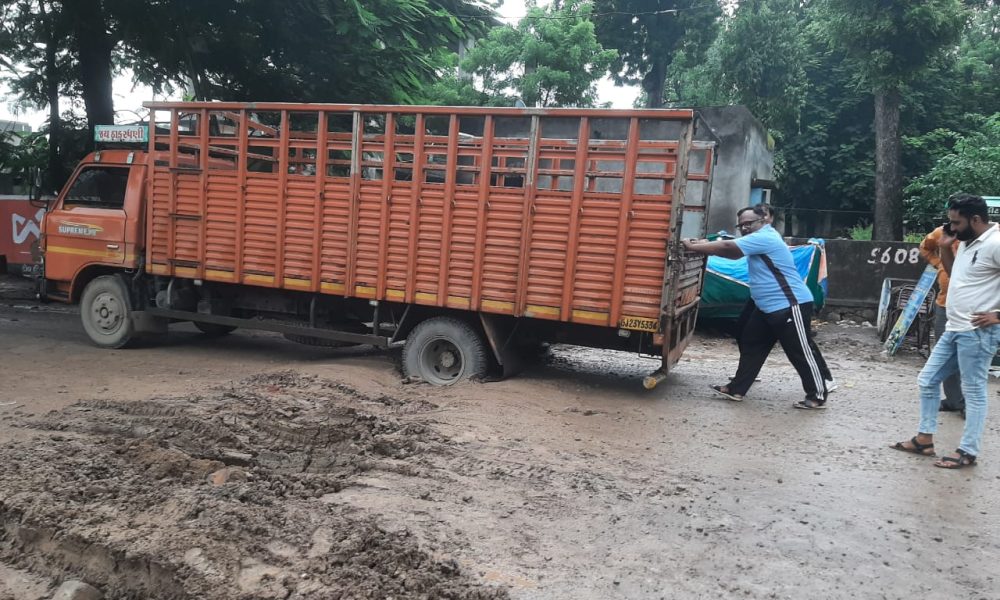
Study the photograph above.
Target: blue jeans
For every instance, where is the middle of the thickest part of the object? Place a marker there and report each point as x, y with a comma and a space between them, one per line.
969, 353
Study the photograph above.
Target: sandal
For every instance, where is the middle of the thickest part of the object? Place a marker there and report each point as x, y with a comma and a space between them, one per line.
725, 393
917, 448
964, 459
810, 404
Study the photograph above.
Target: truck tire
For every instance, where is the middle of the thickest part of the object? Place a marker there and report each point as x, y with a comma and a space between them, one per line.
106, 312
308, 340
444, 351
214, 329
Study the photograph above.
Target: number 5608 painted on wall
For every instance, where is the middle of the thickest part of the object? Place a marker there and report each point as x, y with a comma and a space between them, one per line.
898, 256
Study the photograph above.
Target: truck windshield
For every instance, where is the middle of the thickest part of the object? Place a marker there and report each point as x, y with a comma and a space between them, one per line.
99, 187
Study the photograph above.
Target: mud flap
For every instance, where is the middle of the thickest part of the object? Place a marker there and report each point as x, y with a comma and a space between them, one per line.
500, 333
147, 323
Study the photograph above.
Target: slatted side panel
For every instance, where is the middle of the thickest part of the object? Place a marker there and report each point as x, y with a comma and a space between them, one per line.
598, 235
649, 229
398, 241
400, 204
159, 230
220, 226
461, 261
550, 219
430, 212
366, 249
187, 219
520, 210
260, 225
335, 205
504, 216
300, 219
334, 236
595, 259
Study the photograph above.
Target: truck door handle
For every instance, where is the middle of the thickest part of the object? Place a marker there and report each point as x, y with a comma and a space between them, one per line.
112, 246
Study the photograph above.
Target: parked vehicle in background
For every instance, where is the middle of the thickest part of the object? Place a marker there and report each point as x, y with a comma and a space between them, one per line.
467, 233
20, 228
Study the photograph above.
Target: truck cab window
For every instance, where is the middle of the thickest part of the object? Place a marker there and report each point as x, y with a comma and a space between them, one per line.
99, 187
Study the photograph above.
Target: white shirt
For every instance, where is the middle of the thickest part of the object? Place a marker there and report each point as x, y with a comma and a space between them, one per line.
975, 280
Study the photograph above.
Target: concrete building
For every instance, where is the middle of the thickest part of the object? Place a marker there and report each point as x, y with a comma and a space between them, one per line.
744, 167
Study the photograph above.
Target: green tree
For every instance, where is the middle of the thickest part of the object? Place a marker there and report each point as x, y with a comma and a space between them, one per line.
35, 66
973, 167
306, 50
303, 50
650, 34
23, 156
551, 58
761, 58
887, 44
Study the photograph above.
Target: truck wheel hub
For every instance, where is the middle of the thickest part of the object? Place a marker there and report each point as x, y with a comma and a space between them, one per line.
107, 312
442, 362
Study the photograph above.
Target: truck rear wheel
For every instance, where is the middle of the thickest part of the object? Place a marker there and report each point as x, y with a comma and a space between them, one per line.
444, 351
106, 312
214, 329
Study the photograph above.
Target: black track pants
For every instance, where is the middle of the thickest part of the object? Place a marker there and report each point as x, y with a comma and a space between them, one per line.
741, 323
791, 327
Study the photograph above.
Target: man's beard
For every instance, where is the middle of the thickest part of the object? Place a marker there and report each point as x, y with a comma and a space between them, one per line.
965, 235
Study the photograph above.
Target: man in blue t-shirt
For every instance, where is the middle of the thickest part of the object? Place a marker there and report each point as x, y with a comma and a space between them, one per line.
783, 312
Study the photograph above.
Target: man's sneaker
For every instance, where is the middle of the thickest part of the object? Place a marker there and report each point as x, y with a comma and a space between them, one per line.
830, 385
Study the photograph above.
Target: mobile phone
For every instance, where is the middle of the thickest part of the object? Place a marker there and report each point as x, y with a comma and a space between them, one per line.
947, 229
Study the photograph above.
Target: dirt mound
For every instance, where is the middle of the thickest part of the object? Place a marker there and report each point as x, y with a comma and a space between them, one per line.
221, 496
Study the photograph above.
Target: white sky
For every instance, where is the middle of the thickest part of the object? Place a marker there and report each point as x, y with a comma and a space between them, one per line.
129, 96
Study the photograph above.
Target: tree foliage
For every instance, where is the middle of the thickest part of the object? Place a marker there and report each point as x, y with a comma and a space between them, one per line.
550, 58
821, 115
650, 34
259, 50
761, 58
887, 43
973, 166
306, 50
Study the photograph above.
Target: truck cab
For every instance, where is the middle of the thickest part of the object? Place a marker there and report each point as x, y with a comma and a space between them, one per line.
94, 227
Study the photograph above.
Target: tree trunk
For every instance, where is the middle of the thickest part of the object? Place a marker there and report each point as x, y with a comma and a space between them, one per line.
888, 168
653, 84
94, 49
56, 175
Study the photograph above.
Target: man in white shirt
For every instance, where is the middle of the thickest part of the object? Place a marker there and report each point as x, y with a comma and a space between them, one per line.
972, 334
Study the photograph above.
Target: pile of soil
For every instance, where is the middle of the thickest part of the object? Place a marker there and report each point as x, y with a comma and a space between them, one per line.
225, 495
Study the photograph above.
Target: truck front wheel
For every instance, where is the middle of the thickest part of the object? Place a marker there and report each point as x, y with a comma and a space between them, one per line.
444, 351
105, 310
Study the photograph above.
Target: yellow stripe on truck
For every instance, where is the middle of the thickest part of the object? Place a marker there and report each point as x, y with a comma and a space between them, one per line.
82, 252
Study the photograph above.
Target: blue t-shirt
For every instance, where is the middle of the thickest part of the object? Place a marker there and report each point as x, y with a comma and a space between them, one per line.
766, 291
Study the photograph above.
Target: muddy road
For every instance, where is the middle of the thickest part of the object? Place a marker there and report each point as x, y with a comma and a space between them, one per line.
251, 467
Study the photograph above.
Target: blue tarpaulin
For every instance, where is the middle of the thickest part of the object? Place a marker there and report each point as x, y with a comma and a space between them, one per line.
727, 281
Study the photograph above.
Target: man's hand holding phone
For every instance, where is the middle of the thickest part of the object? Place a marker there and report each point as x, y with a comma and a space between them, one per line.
948, 237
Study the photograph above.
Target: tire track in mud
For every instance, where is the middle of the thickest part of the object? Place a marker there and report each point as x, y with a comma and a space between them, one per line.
218, 496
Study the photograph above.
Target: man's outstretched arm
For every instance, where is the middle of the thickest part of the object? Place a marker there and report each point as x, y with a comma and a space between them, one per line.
723, 248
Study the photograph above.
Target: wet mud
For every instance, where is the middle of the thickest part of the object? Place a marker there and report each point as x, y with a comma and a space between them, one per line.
222, 495
250, 467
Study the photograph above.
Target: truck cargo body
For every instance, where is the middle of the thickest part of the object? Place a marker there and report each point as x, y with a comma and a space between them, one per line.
548, 224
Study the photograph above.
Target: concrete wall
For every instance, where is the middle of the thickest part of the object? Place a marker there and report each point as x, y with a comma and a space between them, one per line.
743, 155
856, 269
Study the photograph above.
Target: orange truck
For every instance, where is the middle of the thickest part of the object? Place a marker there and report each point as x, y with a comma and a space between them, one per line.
465, 235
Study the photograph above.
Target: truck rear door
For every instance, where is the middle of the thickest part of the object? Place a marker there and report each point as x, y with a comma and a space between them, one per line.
684, 275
